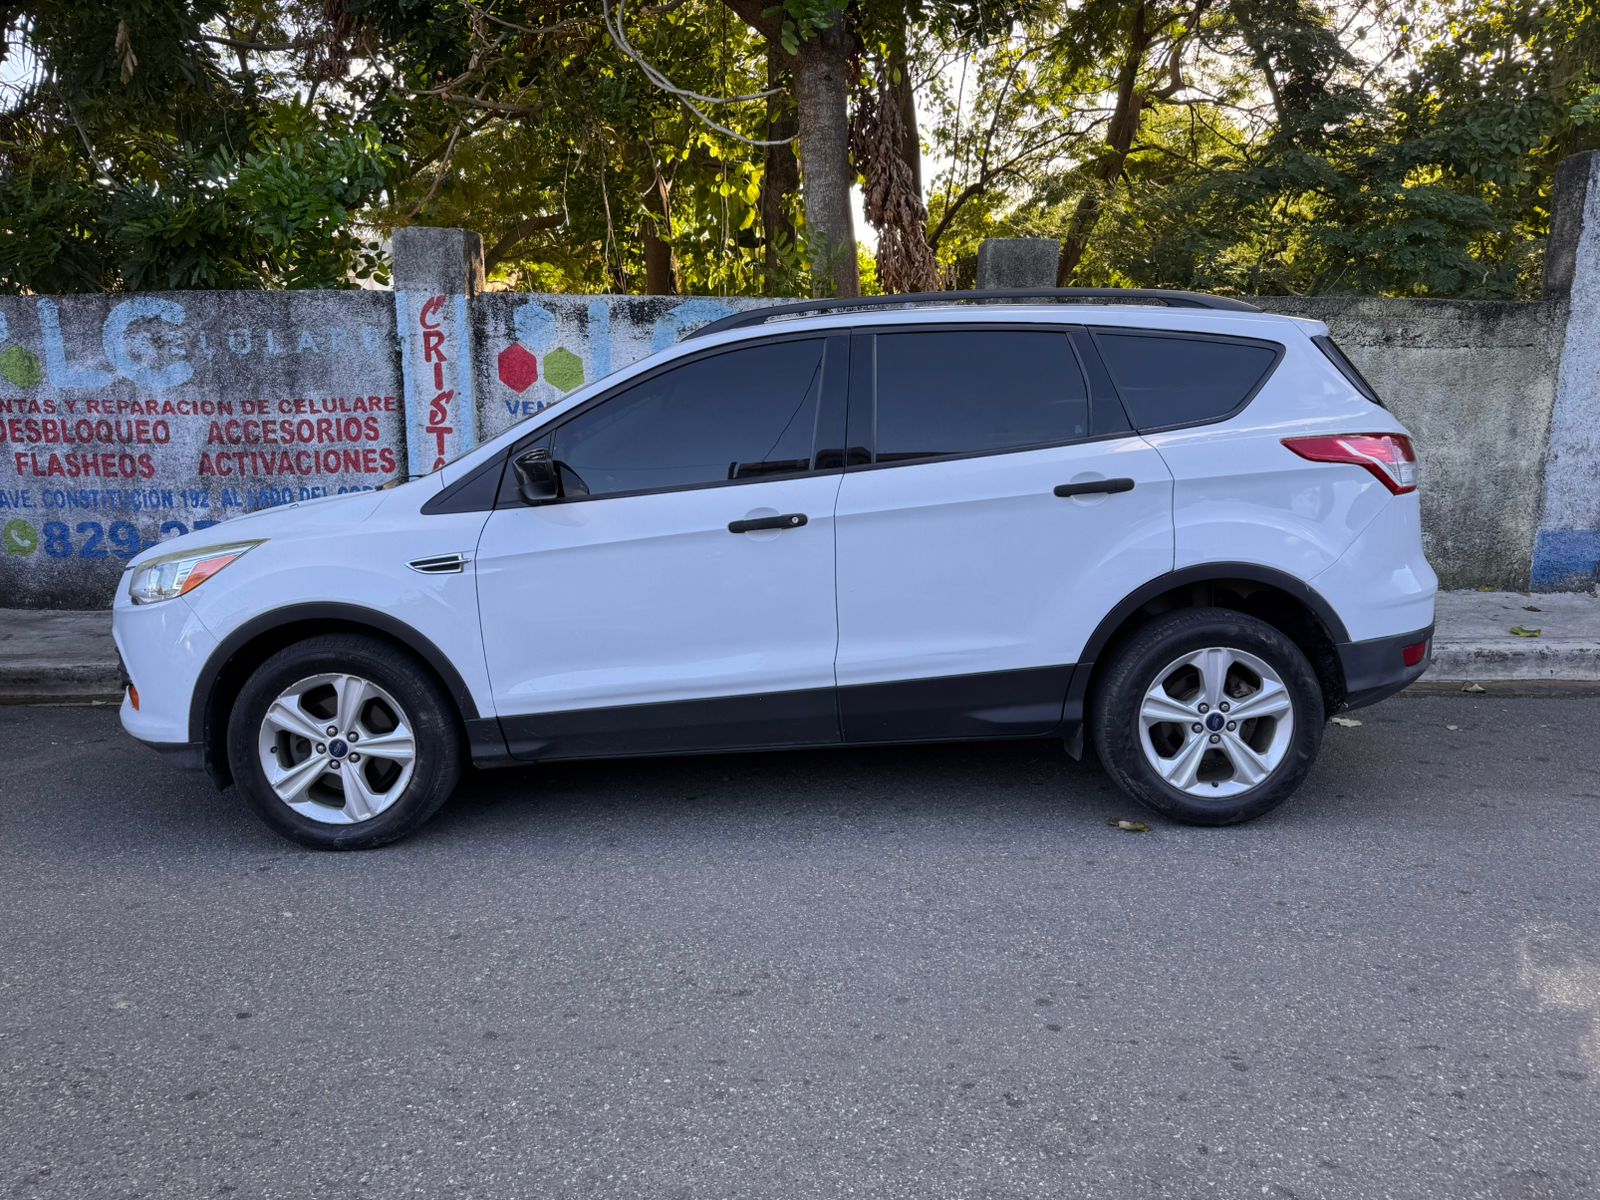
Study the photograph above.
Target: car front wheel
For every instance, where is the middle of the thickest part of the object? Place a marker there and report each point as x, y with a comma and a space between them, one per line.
1209, 716
344, 742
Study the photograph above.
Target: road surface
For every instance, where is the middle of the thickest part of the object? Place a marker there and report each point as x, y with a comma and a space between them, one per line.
926, 973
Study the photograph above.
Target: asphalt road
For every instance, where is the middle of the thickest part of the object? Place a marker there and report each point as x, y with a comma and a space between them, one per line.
929, 973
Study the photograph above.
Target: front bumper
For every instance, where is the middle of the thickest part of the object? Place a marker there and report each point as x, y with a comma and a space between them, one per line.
190, 756
1375, 670
163, 648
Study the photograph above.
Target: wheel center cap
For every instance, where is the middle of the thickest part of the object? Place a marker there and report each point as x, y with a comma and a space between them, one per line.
1214, 721
338, 748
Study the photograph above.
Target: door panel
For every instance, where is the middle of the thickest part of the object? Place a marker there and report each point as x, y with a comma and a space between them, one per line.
645, 599
700, 615
973, 565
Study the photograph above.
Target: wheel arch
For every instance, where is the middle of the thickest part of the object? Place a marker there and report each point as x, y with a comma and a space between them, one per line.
251, 644
1284, 602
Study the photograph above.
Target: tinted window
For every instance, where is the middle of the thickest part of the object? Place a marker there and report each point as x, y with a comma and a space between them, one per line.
1348, 369
743, 414
1178, 380
966, 391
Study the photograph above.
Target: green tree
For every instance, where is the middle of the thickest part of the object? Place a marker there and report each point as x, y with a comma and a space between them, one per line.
1266, 146
528, 123
177, 147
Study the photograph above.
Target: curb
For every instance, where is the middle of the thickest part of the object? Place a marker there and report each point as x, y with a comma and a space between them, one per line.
68, 657
1532, 668
1569, 660
60, 683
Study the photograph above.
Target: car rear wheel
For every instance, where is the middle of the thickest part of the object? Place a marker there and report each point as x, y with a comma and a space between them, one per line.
344, 742
1209, 716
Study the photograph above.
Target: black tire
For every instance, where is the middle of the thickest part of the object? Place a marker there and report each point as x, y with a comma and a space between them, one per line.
429, 709
1133, 668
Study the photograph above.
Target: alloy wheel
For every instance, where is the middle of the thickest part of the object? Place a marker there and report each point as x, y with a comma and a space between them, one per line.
337, 749
1216, 722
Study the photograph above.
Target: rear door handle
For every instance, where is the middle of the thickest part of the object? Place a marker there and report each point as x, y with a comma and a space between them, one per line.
1090, 486
751, 524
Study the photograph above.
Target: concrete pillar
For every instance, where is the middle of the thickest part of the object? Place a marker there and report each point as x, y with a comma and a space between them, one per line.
1017, 263
436, 274
1566, 553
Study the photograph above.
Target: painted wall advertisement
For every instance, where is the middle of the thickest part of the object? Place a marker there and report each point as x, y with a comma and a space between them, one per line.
125, 421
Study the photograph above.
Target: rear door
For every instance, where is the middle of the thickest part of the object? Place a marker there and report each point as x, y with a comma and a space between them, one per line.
996, 509
679, 595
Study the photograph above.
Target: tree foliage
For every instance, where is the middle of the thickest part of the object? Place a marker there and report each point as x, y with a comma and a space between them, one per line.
1277, 146
1400, 147
152, 150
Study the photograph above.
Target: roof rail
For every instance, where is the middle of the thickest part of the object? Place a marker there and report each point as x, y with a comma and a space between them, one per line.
759, 316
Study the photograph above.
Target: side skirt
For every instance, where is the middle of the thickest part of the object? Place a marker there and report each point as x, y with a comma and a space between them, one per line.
772, 720
1026, 703
991, 704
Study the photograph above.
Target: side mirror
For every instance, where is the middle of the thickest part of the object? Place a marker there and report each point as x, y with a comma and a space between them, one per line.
537, 477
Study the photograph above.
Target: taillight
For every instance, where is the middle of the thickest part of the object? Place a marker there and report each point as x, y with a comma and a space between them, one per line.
1388, 456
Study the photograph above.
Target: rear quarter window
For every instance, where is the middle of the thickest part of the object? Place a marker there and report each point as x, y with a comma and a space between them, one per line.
1347, 368
1166, 380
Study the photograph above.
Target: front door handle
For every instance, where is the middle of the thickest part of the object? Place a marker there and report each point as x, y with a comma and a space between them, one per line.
1090, 486
751, 524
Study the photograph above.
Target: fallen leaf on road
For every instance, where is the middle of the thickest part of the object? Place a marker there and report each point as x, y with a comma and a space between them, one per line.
1521, 632
1347, 722
1475, 688
1531, 608
1486, 588
1130, 826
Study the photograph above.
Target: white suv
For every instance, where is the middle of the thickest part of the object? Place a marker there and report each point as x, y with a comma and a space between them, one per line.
1168, 522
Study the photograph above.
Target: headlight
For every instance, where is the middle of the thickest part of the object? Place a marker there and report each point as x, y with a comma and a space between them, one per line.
179, 574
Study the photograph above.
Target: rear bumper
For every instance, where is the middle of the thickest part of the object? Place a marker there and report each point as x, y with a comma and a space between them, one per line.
1375, 670
1383, 581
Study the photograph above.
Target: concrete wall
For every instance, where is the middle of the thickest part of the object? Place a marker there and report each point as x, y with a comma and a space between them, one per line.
1567, 550
532, 350
124, 421
1475, 384
127, 421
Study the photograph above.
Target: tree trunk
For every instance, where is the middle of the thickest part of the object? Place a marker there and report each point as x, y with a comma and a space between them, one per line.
515, 236
660, 264
911, 141
660, 259
1119, 140
781, 179
822, 85
905, 98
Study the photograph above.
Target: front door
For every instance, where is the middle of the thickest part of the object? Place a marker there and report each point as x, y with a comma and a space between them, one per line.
679, 595
1001, 517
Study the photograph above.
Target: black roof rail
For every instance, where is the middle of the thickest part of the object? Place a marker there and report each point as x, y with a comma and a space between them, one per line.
759, 316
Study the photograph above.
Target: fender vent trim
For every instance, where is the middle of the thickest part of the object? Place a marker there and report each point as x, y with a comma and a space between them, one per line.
440, 564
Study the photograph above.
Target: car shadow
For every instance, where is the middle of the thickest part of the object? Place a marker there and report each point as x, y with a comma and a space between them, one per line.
938, 782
